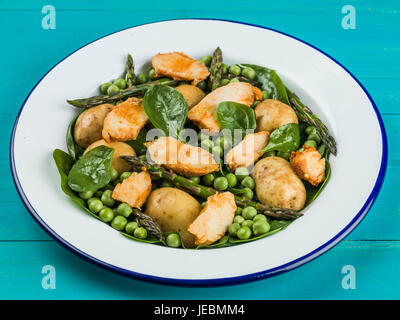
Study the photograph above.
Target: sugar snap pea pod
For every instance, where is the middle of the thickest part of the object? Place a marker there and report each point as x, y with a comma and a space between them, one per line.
122, 95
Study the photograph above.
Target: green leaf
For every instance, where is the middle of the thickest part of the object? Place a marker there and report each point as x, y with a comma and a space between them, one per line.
138, 143
74, 150
92, 171
64, 163
232, 115
312, 192
166, 108
270, 82
223, 242
140, 240
286, 138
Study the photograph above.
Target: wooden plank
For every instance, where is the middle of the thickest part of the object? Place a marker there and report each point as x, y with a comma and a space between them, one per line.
376, 269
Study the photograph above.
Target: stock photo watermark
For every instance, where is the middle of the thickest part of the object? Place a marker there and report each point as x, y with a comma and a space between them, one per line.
49, 278
349, 280
349, 20
49, 20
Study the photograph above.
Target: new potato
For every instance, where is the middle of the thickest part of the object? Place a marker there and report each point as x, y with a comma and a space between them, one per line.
192, 94
120, 149
277, 184
174, 210
89, 125
271, 114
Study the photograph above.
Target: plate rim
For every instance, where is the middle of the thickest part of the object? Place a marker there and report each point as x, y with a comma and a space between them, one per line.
216, 281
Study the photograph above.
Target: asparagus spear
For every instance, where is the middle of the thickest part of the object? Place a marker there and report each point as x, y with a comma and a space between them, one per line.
129, 71
304, 113
122, 95
148, 223
204, 192
216, 69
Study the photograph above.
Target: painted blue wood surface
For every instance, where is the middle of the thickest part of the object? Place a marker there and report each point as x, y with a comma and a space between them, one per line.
371, 52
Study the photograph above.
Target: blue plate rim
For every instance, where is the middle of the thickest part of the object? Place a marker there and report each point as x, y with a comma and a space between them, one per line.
218, 281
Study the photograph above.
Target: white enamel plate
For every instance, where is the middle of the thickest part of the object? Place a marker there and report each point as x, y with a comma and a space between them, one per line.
322, 84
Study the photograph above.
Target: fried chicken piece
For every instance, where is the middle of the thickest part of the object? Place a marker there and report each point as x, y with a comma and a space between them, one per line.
215, 218
204, 114
133, 190
179, 66
248, 151
180, 157
308, 165
125, 121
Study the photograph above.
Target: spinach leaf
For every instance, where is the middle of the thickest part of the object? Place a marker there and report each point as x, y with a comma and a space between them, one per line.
166, 108
140, 240
270, 82
286, 138
92, 171
74, 150
64, 163
232, 115
223, 242
312, 192
138, 143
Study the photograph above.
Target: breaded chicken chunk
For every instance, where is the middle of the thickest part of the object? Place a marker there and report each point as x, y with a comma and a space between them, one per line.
204, 114
215, 218
180, 157
125, 121
308, 165
248, 151
179, 66
133, 190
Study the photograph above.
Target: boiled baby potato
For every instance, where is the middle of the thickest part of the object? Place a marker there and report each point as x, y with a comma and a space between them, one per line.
120, 149
89, 125
192, 94
271, 114
174, 210
277, 184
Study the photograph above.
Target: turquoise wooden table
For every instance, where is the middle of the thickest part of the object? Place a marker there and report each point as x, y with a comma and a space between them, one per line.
371, 52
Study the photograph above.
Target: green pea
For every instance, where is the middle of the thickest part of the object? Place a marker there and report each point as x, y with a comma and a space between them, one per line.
124, 209
244, 233
106, 214
120, 83
249, 213
142, 78
202, 85
260, 217
195, 179
173, 240
119, 223
248, 193
248, 182
315, 137
224, 82
265, 94
241, 173
104, 87
249, 73
234, 80
206, 60
208, 179
86, 195
221, 183
125, 175
247, 223
113, 89
89, 201
232, 180
95, 205
107, 199
284, 155
310, 143
221, 141
261, 227
140, 233
270, 154
309, 130
233, 228
239, 211
235, 69
225, 68
322, 149
131, 227
217, 152
238, 219
113, 174
207, 144
151, 74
